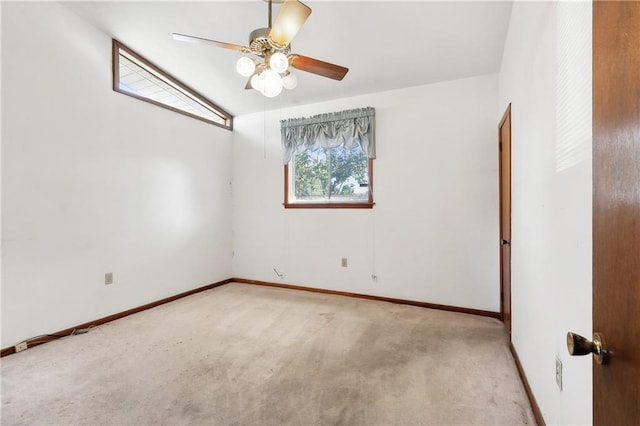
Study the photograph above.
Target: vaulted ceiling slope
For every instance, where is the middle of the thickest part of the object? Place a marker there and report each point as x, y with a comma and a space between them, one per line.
385, 44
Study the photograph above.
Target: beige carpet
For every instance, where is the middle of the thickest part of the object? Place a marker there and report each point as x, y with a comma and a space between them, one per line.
248, 355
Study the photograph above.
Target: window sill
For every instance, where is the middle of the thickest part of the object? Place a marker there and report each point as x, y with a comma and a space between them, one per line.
367, 205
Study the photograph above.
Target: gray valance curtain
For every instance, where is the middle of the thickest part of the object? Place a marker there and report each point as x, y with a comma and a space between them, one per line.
348, 128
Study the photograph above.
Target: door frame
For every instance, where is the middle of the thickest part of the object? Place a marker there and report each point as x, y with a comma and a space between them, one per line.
505, 287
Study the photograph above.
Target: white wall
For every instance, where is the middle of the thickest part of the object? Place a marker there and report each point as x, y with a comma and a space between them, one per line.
546, 75
433, 233
94, 181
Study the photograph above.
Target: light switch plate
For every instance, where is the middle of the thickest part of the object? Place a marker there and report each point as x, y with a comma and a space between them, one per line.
559, 372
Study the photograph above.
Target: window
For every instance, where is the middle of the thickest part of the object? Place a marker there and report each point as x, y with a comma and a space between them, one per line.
330, 177
329, 160
135, 76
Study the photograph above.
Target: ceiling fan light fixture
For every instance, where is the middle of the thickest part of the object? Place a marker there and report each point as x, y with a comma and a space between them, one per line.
257, 82
269, 72
245, 66
272, 83
279, 62
289, 81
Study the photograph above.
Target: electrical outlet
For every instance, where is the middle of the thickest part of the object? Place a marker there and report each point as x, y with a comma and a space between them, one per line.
21, 346
344, 262
559, 372
108, 278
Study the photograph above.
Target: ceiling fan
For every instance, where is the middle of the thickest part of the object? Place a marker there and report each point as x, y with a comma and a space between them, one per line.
270, 71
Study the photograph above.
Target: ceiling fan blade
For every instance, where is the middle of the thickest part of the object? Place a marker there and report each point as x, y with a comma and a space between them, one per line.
316, 66
192, 39
290, 19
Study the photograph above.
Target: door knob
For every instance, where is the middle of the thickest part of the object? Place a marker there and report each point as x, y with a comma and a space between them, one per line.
578, 345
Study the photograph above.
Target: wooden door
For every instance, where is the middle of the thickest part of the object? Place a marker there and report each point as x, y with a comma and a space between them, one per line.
616, 209
504, 134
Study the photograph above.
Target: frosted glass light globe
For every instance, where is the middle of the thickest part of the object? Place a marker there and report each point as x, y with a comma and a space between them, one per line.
279, 62
245, 66
257, 82
290, 81
272, 84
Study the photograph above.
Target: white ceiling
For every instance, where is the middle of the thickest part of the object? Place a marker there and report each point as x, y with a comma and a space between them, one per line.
385, 44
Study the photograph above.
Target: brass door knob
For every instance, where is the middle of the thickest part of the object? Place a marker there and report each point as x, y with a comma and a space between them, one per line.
578, 345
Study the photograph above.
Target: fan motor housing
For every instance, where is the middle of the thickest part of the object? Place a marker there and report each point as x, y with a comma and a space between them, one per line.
260, 43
